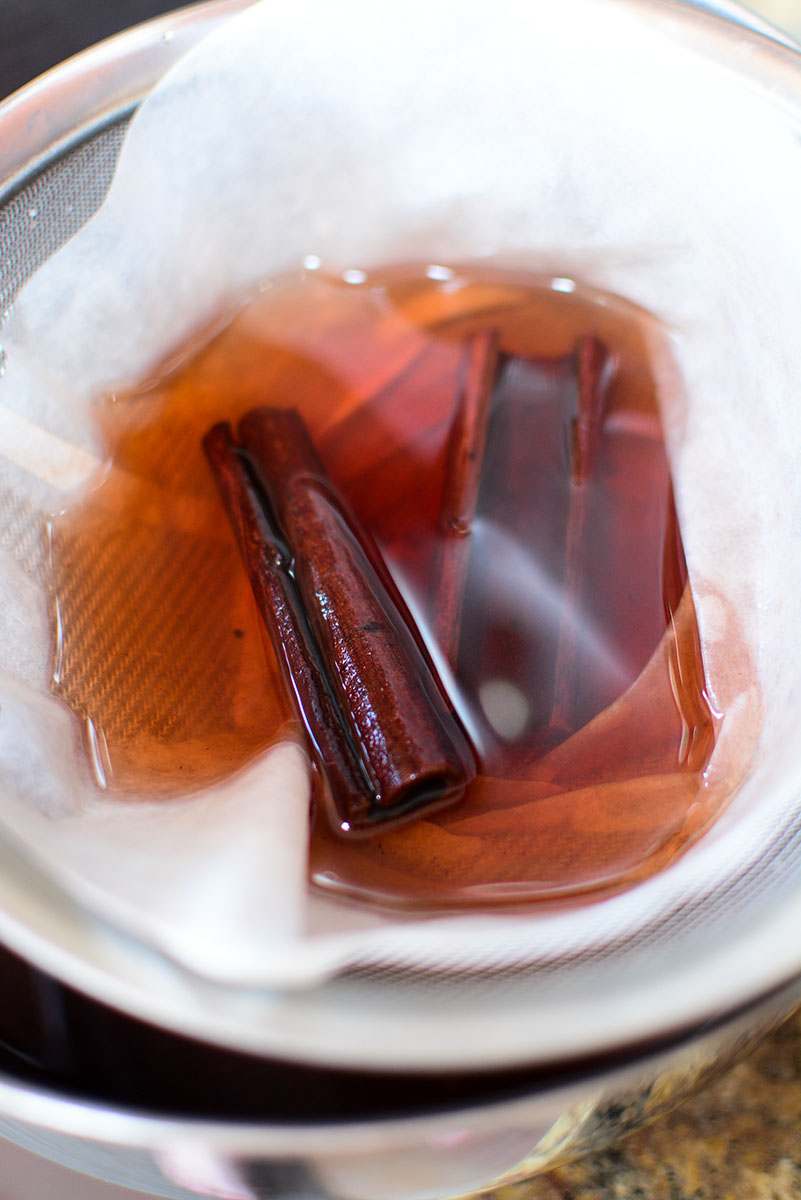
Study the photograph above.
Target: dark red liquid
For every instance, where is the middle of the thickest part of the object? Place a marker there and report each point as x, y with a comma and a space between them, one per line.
576, 667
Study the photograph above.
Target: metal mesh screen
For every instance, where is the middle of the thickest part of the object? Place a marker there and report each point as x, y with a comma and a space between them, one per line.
53, 206
34, 222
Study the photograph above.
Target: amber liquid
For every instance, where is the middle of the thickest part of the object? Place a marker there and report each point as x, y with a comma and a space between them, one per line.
591, 775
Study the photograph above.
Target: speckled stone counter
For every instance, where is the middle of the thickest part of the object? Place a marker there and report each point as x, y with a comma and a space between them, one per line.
739, 1139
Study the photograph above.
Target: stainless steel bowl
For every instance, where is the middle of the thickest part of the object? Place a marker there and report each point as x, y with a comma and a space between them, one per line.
96, 1092
355, 1134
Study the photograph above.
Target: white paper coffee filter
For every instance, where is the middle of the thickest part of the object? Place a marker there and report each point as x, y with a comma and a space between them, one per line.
585, 139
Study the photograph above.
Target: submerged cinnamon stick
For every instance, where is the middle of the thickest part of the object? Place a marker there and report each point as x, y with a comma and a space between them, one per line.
535, 483
383, 732
464, 459
594, 371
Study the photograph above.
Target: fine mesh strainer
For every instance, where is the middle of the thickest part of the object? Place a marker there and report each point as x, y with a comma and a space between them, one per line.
642, 993
40, 215
392, 1005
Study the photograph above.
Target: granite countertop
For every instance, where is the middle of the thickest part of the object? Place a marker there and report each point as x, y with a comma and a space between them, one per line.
739, 1139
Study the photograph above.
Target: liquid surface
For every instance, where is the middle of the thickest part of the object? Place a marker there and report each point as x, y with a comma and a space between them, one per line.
573, 657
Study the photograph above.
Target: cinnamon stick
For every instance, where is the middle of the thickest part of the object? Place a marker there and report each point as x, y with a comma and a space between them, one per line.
268, 566
594, 368
523, 613
463, 466
398, 748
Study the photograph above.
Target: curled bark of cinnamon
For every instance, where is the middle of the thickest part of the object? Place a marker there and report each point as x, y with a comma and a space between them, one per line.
463, 466
383, 733
267, 564
524, 454
594, 373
